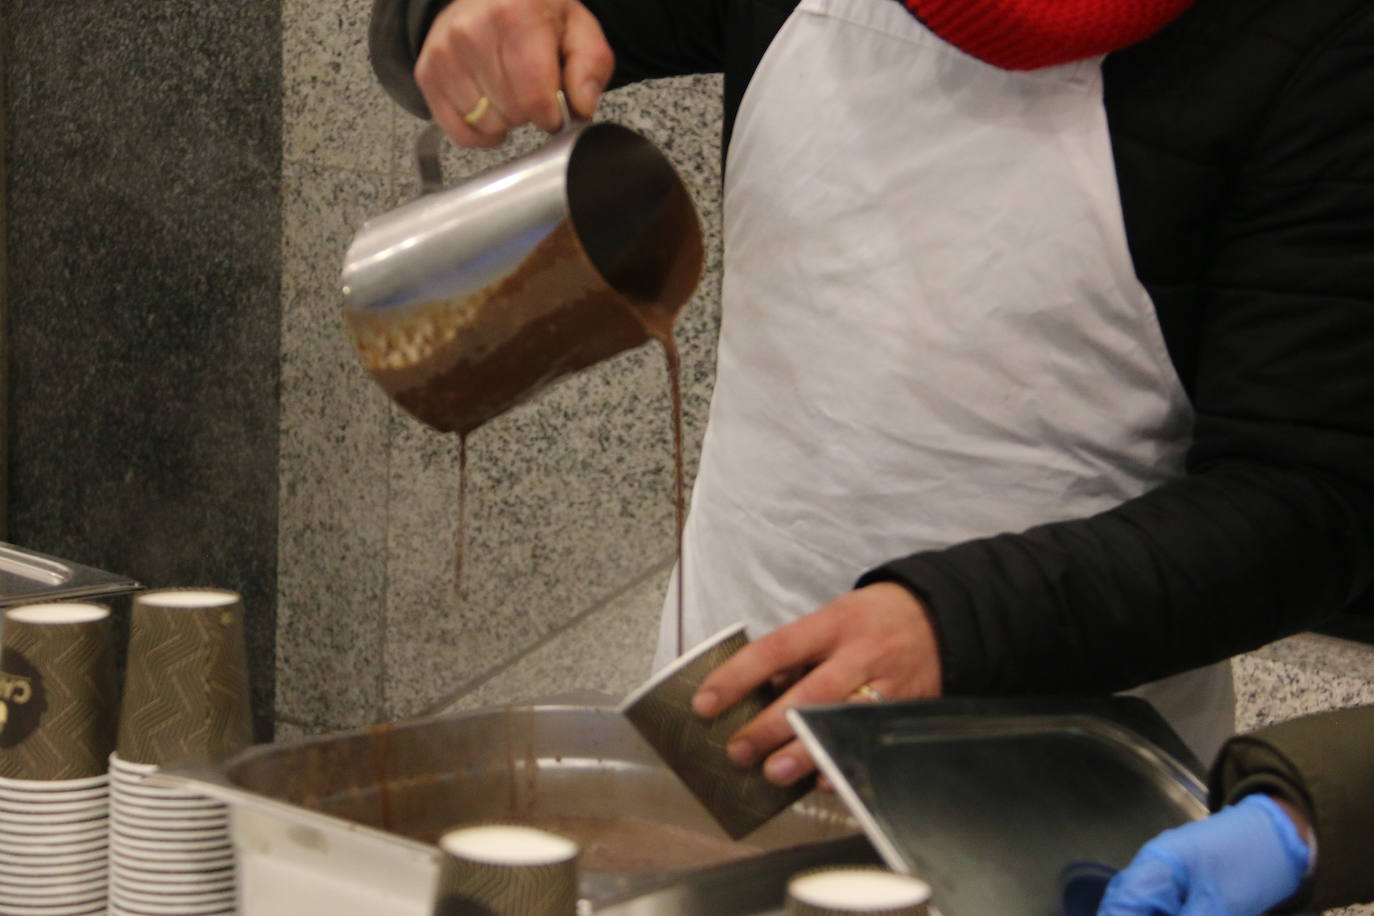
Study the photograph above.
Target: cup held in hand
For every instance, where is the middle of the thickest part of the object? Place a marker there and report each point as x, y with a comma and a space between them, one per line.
740, 799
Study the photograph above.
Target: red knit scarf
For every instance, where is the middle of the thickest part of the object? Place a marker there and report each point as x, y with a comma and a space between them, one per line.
1026, 34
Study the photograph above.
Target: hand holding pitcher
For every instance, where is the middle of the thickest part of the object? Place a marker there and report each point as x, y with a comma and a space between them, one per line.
491, 65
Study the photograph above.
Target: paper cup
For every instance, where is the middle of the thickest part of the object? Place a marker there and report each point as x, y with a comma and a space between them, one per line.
20, 859
507, 868
137, 893
70, 890
50, 875
846, 890
57, 693
186, 690
739, 798
46, 832
171, 882
142, 860
147, 804
94, 907
215, 842
182, 818
10, 797
54, 864
48, 788
38, 815
121, 901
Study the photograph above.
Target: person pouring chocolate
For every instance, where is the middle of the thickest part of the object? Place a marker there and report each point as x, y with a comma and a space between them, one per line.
1046, 362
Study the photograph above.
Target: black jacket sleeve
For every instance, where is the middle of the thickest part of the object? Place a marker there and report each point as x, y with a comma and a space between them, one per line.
650, 39
1272, 529
1324, 766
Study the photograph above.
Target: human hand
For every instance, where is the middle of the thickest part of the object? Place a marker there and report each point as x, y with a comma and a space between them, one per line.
1241, 861
879, 636
508, 52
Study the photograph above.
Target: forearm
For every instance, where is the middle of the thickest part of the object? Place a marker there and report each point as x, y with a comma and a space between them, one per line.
1322, 767
1196, 571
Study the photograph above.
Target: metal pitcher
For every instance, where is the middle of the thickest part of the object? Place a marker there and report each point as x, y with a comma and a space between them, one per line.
468, 301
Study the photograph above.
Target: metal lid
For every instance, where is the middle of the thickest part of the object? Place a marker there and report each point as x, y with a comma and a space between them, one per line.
989, 800
27, 576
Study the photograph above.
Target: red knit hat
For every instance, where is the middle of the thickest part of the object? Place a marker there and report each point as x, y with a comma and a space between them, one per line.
1027, 34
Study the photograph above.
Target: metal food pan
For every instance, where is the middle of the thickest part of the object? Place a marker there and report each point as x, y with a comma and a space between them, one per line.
27, 576
989, 799
344, 824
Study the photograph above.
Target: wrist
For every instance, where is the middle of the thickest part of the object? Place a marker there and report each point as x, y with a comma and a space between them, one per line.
1294, 833
1304, 829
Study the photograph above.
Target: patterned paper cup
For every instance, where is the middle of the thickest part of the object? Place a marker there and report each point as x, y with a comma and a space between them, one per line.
507, 868
740, 799
186, 690
57, 694
845, 890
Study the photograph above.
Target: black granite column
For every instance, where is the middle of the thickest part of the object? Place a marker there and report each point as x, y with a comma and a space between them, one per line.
142, 155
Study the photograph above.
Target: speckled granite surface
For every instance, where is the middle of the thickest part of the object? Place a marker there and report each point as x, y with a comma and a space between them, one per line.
569, 497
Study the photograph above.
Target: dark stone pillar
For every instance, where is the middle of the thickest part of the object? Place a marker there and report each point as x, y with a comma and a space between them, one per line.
142, 154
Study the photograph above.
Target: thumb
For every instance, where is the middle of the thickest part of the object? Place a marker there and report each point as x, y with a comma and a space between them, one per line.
587, 60
1146, 887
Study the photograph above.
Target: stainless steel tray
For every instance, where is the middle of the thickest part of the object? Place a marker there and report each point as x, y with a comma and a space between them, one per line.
987, 800
27, 576
344, 824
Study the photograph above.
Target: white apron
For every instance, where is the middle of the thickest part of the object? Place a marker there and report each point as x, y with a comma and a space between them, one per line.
932, 330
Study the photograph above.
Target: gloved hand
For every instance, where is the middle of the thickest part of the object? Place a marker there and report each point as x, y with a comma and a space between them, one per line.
1241, 861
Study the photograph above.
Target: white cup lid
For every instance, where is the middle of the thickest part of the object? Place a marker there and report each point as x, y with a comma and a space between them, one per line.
188, 597
58, 613
858, 890
508, 844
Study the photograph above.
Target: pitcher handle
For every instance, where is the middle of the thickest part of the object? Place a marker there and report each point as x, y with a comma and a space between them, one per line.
430, 140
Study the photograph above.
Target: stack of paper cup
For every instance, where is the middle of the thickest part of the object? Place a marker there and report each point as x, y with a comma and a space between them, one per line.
186, 695
57, 723
170, 851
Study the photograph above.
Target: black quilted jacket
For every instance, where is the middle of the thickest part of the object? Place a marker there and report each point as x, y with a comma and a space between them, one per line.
1243, 135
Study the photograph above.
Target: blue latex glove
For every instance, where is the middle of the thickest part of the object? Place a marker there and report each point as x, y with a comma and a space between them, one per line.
1241, 861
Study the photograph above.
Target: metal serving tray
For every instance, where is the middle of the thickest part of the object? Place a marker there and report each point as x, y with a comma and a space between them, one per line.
344, 824
27, 576
988, 800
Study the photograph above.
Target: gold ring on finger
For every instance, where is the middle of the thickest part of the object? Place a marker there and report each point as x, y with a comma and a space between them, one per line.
869, 693
478, 110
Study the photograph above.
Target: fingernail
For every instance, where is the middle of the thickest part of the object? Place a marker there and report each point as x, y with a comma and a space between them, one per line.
705, 703
591, 94
780, 769
741, 753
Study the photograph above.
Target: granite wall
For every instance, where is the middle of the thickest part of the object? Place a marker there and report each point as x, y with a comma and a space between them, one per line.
569, 498
142, 157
